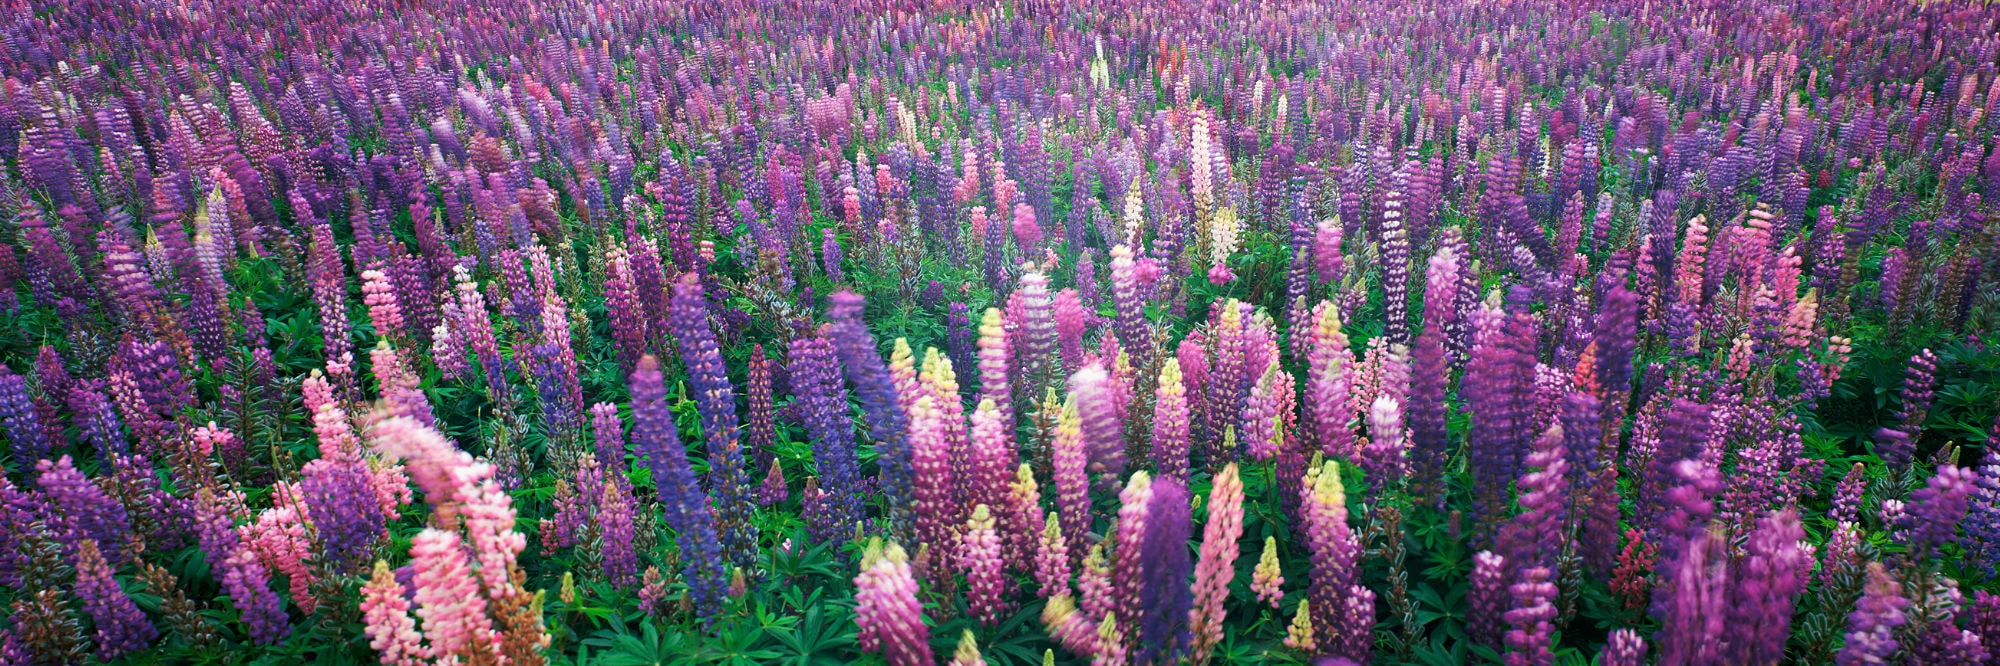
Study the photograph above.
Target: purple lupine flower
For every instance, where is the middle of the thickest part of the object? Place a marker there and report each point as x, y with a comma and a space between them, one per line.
609, 434
935, 509
619, 560
1103, 429
1486, 599
340, 497
715, 398
760, 433
1127, 546
623, 304
1134, 332
1871, 628
1038, 327
1531, 619
657, 443
1623, 648
887, 424
97, 418
1982, 518
822, 402
1535, 536
1164, 596
1691, 602
121, 627
1770, 575
1499, 382
1170, 423
830, 256
1937, 508
891, 618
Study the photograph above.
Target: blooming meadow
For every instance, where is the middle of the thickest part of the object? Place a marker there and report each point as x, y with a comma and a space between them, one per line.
1022, 332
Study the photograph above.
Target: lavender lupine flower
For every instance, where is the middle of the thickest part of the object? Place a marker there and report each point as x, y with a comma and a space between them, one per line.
1134, 332
609, 434
1982, 518
619, 560
340, 497
1103, 428
624, 306
1165, 600
1871, 628
886, 607
887, 424
657, 442
715, 398
822, 401
1039, 337
1218, 559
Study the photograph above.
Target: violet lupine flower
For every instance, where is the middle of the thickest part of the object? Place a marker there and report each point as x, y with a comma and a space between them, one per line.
1528, 640
887, 610
985, 569
97, 419
1165, 601
1103, 428
715, 398
1982, 518
121, 627
887, 424
76, 509
609, 435
822, 402
1691, 602
1871, 628
1938, 508
23, 422
1217, 566
760, 433
1769, 576
657, 442
1500, 384
1535, 536
830, 256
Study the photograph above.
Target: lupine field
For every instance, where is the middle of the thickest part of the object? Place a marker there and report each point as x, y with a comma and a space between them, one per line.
1104, 332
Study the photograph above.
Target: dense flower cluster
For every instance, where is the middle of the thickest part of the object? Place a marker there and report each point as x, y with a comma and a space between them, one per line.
1524, 331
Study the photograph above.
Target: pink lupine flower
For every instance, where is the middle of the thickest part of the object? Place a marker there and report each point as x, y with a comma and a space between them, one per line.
448, 599
886, 607
1217, 565
386, 615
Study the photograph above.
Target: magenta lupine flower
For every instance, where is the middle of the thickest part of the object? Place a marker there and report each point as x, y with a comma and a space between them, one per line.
1039, 330
935, 508
1217, 566
386, 616
887, 610
1329, 385
1027, 234
1386, 453
1071, 321
1261, 432
715, 399
383, 311
1871, 628
760, 432
657, 442
1327, 258
625, 308
985, 569
989, 474
121, 627
773, 491
614, 518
